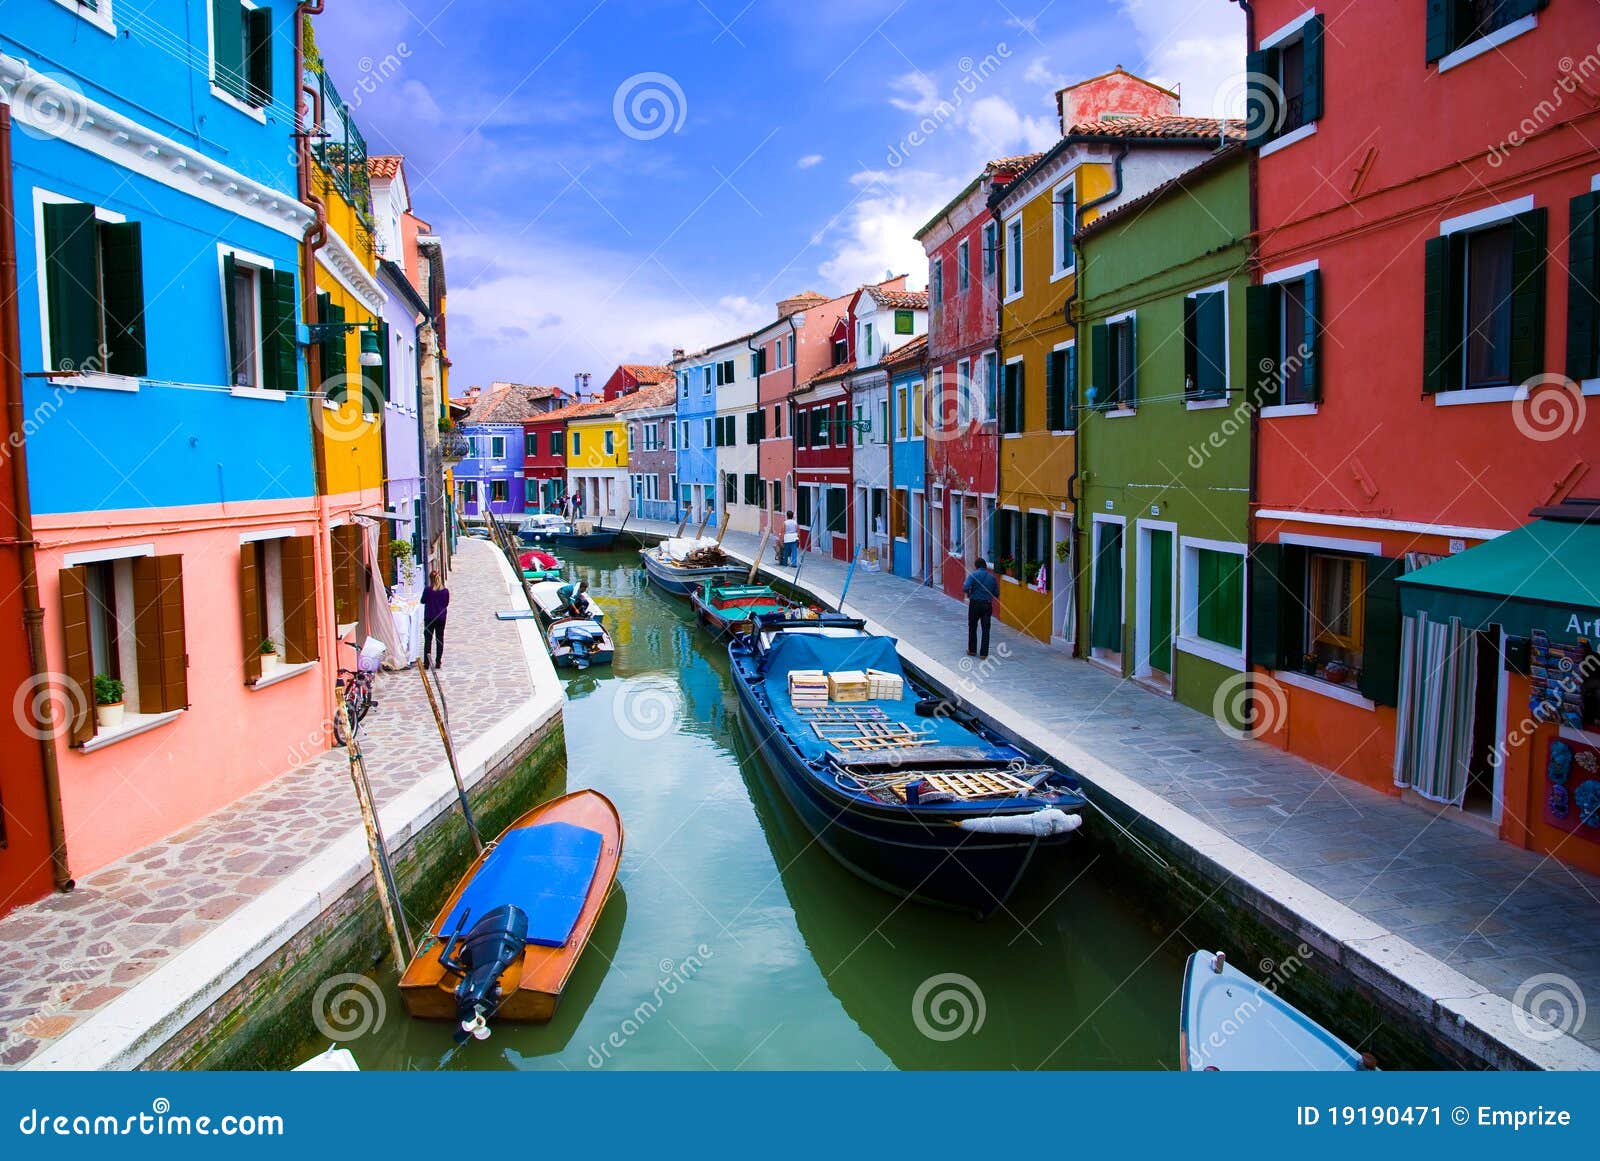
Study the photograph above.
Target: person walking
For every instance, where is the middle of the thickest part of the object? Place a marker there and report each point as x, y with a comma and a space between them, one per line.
435, 607
790, 553
983, 590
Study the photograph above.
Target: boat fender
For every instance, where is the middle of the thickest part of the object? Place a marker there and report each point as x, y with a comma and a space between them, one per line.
1040, 824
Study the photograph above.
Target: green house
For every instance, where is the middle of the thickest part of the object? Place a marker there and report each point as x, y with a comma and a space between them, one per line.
1164, 437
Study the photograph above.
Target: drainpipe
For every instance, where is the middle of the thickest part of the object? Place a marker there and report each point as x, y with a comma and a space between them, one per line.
22, 515
1251, 496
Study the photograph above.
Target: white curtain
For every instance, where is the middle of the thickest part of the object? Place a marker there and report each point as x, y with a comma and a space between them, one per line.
376, 620
1438, 688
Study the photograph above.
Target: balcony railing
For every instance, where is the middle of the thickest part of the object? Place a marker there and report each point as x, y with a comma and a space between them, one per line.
454, 446
338, 145
655, 509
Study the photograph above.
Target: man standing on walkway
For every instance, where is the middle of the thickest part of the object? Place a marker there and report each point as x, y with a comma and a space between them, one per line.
983, 590
789, 553
435, 607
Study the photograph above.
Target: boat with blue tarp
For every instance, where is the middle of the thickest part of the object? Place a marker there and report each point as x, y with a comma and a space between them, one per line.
547, 528
506, 941
1229, 1022
905, 789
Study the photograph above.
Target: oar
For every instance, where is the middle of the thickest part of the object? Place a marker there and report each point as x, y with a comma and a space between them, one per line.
701, 531
848, 577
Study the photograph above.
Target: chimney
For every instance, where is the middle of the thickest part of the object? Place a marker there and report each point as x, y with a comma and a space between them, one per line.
677, 353
800, 302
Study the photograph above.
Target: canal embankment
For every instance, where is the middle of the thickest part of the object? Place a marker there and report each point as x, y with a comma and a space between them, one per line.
215, 948
1423, 933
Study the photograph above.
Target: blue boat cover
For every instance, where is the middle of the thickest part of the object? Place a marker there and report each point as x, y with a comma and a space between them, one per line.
833, 654
546, 870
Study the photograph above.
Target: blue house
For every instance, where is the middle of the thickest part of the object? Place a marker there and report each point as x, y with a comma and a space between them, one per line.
170, 451
698, 436
908, 495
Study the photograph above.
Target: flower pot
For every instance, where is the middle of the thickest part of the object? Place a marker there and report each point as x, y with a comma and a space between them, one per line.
1337, 672
269, 664
109, 717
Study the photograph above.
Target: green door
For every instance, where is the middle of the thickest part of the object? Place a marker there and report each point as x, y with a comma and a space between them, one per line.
1107, 624
1159, 613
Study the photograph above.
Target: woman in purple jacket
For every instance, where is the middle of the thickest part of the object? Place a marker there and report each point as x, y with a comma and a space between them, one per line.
435, 606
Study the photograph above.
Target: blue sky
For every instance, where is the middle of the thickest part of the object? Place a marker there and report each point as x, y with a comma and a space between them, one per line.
581, 231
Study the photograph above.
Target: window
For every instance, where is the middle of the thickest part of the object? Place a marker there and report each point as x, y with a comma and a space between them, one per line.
791, 350
841, 422
530, 445
1061, 389
991, 243
866, 339
1334, 614
707, 377
777, 420
917, 404
883, 420
725, 373
497, 447
991, 386
711, 433
1283, 338
1285, 84
755, 426
683, 384
1036, 550
905, 321
1066, 227
1114, 361
901, 411
900, 514
958, 523
730, 488
1205, 345
555, 444
241, 51
1014, 257
935, 287
1484, 305
610, 439
963, 266
530, 492
577, 443
819, 427
752, 489
278, 601
94, 283
498, 492
841, 352
802, 507
1454, 24
758, 362
469, 492
1011, 401
261, 314
1583, 293
836, 510
1008, 546
862, 424
1211, 609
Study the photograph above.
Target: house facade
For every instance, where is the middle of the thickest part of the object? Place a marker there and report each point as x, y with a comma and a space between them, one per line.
490, 479
823, 477
652, 464
910, 517
544, 460
1164, 455
404, 453
962, 243
597, 457
1426, 326
791, 349
697, 436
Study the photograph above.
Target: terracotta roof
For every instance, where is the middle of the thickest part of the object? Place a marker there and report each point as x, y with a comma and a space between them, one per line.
1184, 180
648, 373
384, 167
592, 409
899, 299
829, 374
1013, 165
912, 352
1166, 128
657, 395
508, 403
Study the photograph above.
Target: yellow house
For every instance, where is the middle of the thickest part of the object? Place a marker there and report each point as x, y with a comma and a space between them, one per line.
597, 458
1105, 159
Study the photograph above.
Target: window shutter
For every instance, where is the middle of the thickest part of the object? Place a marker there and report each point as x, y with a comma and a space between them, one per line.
335, 353
72, 278
1312, 294
382, 374
1271, 601
1261, 343
227, 25
230, 270
1441, 28
279, 309
258, 62
1052, 417
159, 635
1132, 353
1311, 77
1191, 345
1583, 289
1100, 363
1529, 248
122, 281
79, 658
1441, 342
1070, 389
1380, 651
298, 555
1261, 97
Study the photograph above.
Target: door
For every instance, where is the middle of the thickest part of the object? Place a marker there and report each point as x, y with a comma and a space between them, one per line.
1106, 627
919, 521
1064, 589
1158, 607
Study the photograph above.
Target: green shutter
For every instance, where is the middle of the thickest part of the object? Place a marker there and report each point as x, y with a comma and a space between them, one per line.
1261, 304
1205, 343
1441, 334
1583, 289
1132, 399
1191, 345
1019, 388
1270, 599
1380, 651
1311, 83
258, 55
1312, 334
227, 31
1529, 247
72, 280
1262, 97
1100, 364
1052, 413
383, 374
1441, 28
230, 269
1070, 390
335, 353
279, 306
122, 291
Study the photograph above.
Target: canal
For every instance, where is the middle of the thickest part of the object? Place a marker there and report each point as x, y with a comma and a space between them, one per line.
734, 942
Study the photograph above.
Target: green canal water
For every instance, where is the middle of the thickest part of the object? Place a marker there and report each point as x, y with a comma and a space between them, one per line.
735, 942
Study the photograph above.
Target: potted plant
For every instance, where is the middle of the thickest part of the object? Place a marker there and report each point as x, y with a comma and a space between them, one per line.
268, 652
1308, 665
1006, 567
108, 707
1063, 551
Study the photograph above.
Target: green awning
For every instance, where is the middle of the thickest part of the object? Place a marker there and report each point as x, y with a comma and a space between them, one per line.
1545, 574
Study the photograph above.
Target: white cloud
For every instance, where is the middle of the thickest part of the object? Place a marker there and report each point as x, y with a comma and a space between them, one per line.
1004, 130
920, 94
1196, 44
809, 160
873, 236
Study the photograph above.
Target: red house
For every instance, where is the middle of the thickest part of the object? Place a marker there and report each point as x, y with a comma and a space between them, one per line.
629, 377
544, 459
1422, 344
963, 439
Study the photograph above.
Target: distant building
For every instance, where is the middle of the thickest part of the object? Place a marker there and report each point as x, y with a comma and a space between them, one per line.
489, 480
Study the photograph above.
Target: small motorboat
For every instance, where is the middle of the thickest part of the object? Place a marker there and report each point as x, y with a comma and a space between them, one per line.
539, 566
550, 528
899, 786
578, 643
1229, 1022
729, 609
547, 600
507, 940
680, 564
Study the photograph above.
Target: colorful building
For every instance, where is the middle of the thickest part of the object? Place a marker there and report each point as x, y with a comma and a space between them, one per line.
790, 350
630, 377
597, 457
737, 430
652, 464
910, 520
490, 479
1164, 451
1105, 158
1425, 320
698, 434
544, 460
962, 242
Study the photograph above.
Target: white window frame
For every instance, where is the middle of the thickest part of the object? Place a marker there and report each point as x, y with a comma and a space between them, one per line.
1123, 411
1013, 263
99, 16
963, 266
99, 380
1469, 223
260, 265
1186, 636
1058, 270
1488, 42
1227, 348
217, 91
1069, 345
936, 282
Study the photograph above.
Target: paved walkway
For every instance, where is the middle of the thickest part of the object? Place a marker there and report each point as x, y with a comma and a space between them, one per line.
70, 955
1497, 914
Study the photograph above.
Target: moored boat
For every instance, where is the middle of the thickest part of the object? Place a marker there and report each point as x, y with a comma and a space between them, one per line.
551, 607
537, 565
505, 943
680, 565
578, 643
1228, 1022
929, 806
726, 609
547, 528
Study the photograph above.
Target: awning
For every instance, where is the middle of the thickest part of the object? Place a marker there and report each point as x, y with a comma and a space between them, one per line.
1544, 575
383, 514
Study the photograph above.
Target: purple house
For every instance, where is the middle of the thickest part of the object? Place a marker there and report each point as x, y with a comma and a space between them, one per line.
489, 479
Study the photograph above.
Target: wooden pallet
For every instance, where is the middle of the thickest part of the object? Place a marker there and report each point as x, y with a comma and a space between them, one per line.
845, 730
968, 784
902, 742
844, 713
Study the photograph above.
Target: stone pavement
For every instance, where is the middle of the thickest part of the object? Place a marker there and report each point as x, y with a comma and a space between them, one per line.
69, 955
1497, 914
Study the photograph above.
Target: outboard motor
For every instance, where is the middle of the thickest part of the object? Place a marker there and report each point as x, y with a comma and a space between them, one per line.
581, 641
493, 944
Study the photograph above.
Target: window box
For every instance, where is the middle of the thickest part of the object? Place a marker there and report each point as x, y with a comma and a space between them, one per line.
283, 673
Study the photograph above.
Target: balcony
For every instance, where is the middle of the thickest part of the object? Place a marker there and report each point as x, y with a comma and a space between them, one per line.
337, 144
454, 446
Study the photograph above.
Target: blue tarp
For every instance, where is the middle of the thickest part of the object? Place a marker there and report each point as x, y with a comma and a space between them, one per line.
545, 870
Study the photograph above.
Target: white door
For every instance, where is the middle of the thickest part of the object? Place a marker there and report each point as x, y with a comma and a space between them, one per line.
1063, 588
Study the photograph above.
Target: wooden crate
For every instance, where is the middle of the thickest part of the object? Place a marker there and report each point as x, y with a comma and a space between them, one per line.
882, 686
846, 685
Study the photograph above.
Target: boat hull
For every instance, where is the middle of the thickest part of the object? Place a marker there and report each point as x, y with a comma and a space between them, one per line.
680, 582
533, 983
588, 541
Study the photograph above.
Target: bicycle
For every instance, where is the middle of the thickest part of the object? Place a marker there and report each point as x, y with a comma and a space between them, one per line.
355, 687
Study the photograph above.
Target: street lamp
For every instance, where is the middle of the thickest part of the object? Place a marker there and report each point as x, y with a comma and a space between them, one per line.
371, 349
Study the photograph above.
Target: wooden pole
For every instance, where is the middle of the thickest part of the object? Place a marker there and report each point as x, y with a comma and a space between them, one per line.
377, 850
723, 531
701, 531
450, 756
761, 551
